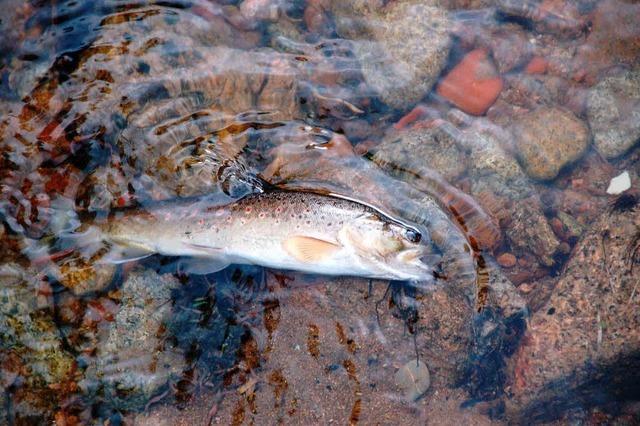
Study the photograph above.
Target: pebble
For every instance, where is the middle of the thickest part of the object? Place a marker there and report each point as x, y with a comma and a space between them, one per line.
537, 65
413, 379
473, 85
525, 288
618, 184
558, 228
548, 139
573, 228
507, 260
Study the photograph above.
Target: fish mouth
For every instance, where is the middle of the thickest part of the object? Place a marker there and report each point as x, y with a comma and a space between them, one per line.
411, 264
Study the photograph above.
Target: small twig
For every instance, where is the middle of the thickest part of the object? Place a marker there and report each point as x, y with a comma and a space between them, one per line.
349, 105
214, 409
386, 292
605, 235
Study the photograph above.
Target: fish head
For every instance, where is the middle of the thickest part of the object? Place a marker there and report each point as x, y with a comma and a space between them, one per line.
388, 250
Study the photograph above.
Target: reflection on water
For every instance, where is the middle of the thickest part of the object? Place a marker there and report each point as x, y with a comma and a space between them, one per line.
493, 126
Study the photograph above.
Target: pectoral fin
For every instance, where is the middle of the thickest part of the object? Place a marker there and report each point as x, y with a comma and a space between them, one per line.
309, 249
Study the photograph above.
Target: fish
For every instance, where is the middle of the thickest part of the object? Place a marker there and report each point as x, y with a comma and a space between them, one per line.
279, 229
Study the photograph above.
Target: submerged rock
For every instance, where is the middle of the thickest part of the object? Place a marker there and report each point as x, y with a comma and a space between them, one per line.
583, 347
495, 178
614, 37
402, 48
548, 139
413, 379
473, 85
35, 369
133, 361
613, 109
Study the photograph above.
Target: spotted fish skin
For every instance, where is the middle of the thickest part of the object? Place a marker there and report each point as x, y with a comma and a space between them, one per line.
299, 231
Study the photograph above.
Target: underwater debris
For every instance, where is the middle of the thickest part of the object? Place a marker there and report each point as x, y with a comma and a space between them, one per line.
619, 184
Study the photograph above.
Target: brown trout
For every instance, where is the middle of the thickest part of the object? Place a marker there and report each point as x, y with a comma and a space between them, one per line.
299, 231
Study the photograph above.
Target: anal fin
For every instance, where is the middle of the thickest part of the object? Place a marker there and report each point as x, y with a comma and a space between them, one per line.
201, 265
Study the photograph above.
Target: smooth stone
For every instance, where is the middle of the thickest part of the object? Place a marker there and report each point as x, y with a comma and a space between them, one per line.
549, 139
473, 85
413, 379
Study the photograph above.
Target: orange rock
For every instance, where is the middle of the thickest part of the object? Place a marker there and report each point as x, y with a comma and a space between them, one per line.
507, 260
537, 65
411, 117
473, 85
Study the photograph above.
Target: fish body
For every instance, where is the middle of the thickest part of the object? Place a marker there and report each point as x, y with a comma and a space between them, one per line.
298, 231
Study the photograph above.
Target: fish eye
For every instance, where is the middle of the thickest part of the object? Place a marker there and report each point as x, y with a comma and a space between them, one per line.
413, 235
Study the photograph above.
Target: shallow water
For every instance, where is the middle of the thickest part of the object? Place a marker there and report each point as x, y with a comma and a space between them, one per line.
495, 126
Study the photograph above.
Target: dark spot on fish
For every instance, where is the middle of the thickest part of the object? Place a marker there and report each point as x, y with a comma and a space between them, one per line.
187, 233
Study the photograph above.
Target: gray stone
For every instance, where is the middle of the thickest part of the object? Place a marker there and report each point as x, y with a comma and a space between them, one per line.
435, 149
32, 359
132, 363
613, 109
402, 48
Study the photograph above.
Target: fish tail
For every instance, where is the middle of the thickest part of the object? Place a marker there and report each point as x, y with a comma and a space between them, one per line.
77, 246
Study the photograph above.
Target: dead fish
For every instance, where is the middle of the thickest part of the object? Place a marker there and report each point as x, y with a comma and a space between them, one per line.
300, 231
